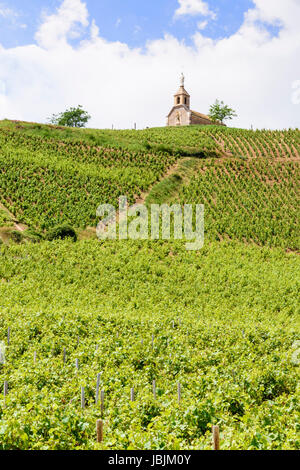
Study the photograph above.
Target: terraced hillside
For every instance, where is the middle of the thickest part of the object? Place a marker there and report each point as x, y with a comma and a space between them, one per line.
253, 200
45, 182
51, 175
176, 341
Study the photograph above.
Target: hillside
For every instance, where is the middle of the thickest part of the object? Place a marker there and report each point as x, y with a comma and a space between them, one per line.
225, 322
252, 200
50, 175
220, 324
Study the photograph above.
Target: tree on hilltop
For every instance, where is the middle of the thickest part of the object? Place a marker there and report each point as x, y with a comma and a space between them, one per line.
219, 111
72, 117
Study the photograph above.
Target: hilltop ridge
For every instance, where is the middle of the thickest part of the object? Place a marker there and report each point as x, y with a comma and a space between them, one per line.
52, 175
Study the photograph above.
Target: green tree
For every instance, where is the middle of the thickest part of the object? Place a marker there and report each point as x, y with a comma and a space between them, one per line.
219, 111
72, 117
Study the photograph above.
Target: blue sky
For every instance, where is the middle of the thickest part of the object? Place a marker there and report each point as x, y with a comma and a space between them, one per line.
126, 70
130, 21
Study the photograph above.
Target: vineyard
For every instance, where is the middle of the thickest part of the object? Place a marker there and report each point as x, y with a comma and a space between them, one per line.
46, 180
157, 342
223, 323
45, 183
195, 139
254, 201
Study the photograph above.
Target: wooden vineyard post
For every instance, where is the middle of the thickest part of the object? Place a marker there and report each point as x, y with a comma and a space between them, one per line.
179, 391
102, 402
154, 389
82, 398
64, 355
132, 394
97, 388
99, 428
5, 391
216, 437
8, 336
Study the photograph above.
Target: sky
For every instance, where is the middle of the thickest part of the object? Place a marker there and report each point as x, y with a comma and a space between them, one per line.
122, 59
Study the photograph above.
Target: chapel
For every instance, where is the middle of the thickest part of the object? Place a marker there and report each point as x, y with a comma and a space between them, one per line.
182, 115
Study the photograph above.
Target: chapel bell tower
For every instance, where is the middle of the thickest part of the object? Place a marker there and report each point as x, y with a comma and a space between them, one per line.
182, 97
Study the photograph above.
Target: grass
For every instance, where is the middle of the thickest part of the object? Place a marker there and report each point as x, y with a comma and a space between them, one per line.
170, 185
5, 219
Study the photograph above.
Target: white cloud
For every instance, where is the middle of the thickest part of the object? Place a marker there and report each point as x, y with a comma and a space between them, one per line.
251, 71
2, 88
202, 25
6, 12
193, 7
137, 29
296, 92
11, 16
57, 28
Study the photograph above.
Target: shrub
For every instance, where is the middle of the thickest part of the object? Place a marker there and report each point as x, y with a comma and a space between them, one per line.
61, 232
33, 235
16, 236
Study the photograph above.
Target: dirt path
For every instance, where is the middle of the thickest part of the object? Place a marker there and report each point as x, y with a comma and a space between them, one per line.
19, 227
171, 171
103, 226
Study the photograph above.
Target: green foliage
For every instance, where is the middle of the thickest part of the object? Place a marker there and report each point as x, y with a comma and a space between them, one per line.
45, 182
168, 187
72, 117
33, 235
61, 232
51, 176
16, 236
161, 191
225, 319
219, 111
5, 219
181, 141
253, 201
236, 318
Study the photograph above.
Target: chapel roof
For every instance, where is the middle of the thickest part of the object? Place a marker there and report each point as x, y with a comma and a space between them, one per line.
203, 116
182, 91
